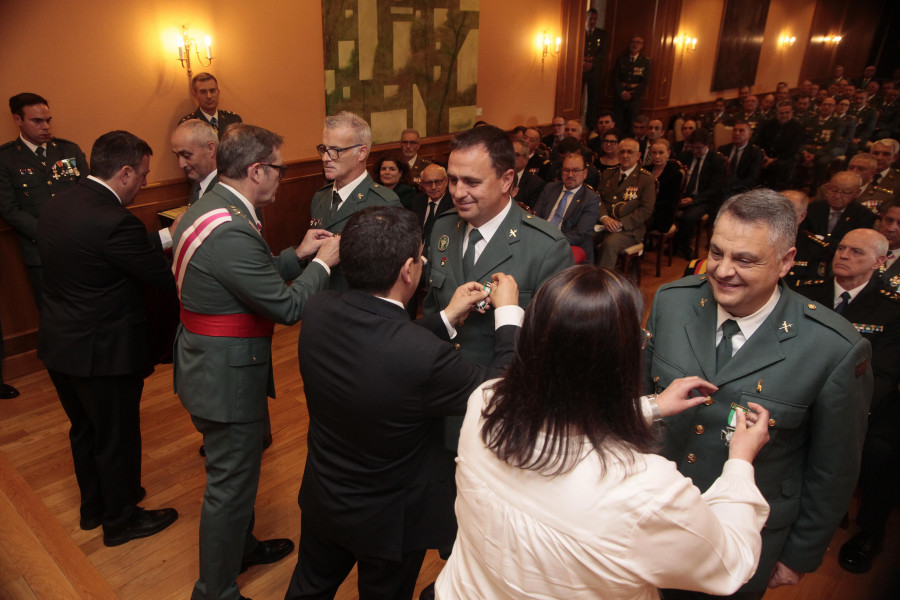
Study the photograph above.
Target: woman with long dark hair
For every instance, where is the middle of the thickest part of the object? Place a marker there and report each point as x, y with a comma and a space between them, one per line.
559, 492
390, 172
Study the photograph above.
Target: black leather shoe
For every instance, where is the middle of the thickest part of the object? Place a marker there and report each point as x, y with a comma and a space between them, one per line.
143, 524
202, 450
267, 551
428, 592
88, 523
857, 553
7, 392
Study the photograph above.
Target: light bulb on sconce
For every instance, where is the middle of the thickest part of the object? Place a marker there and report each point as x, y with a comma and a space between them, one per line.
548, 46
787, 40
186, 45
686, 42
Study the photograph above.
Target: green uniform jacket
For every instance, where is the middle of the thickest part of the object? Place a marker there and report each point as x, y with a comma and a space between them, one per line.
811, 370
26, 184
526, 247
368, 193
226, 379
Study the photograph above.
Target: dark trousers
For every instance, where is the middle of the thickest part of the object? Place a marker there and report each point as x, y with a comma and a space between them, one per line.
591, 81
687, 225
879, 475
106, 442
233, 459
323, 565
624, 113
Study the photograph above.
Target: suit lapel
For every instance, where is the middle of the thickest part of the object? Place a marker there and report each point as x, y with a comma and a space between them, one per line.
498, 249
576, 201
357, 196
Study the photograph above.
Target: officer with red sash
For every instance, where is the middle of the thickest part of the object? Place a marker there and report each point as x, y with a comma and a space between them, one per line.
233, 291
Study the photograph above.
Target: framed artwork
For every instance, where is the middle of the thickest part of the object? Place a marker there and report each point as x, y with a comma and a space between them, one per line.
740, 42
402, 63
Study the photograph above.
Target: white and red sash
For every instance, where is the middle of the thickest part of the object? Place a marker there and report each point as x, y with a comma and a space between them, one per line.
192, 238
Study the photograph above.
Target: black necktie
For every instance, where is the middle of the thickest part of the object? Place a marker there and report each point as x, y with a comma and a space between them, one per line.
842, 305
335, 201
40, 153
469, 257
622, 177
215, 123
724, 349
429, 219
695, 174
875, 179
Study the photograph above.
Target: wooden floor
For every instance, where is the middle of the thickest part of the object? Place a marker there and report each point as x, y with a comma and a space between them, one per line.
45, 555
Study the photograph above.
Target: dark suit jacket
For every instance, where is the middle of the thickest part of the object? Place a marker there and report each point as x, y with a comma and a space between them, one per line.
875, 312
744, 175
712, 178
226, 118
580, 218
420, 207
668, 192
377, 479
530, 187
96, 257
856, 216
781, 142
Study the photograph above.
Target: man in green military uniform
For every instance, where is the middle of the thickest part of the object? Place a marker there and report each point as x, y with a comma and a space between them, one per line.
818, 408
345, 146
592, 68
813, 254
33, 168
205, 90
827, 137
232, 291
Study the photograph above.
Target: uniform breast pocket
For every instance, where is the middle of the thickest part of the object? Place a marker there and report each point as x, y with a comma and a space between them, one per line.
785, 419
436, 279
663, 373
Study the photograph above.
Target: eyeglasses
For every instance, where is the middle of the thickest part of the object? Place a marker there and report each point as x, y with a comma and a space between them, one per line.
646, 336
839, 191
626, 151
282, 169
334, 153
571, 171
433, 182
610, 141
409, 142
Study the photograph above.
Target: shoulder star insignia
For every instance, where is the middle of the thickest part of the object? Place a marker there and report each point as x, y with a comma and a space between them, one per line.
786, 326
512, 232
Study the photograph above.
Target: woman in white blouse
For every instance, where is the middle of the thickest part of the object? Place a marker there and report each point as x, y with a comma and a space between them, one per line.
559, 492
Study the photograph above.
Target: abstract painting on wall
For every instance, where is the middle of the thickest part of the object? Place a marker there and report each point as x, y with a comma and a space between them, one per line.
740, 43
402, 63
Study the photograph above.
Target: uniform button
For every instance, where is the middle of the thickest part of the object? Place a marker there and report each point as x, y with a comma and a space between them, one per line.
691, 458
771, 422
49, 182
456, 346
709, 401
699, 429
254, 359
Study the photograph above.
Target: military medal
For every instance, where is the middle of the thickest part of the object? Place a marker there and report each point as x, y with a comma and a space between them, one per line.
631, 192
443, 243
732, 421
315, 223
483, 304
443, 260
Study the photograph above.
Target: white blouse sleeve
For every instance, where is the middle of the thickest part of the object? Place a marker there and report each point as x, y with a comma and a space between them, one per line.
709, 543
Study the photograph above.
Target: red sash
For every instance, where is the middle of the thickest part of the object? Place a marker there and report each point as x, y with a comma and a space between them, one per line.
236, 325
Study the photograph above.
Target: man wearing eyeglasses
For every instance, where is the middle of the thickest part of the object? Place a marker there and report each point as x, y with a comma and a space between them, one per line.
839, 213
572, 206
409, 147
628, 195
345, 146
233, 291
527, 185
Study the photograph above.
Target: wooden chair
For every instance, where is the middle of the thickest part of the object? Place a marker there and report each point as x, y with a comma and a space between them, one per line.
661, 242
629, 262
721, 134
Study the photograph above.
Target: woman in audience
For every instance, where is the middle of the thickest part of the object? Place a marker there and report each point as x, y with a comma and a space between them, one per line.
389, 171
559, 492
608, 157
669, 175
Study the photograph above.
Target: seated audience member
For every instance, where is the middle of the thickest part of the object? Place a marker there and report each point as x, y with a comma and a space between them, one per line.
608, 155
803, 107
391, 172
767, 106
627, 197
885, 152
688, 126
826, 138
527, 185
744, 161
889, 227
861, 298
604, 123
717, 115
552, 171
669, 175
839, 212
813, 255
560, 494
552, 139
375, 439
780, 139
888, 124
703, 194
641, 129
870, 195
736, 105
572, 206
655, 131
866, 117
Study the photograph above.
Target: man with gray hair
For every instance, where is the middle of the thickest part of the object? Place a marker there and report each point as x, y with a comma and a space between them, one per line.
233, 290
194, 143
741, 328
409, 148
839, 212
346, 143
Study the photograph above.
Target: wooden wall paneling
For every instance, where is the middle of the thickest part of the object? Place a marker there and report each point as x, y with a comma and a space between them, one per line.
860, 28
858, 25
571, 59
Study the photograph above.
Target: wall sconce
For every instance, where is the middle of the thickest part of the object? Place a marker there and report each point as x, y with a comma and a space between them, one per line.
828, 39
184, 51
787, 41
548, 47
686, 42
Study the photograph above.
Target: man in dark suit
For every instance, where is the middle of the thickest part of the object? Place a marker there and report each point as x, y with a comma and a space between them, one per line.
409, 148
572, 206
346, 142
780, 140
813, 257
527, 185
374, 439
194, 142
33, 168
205, 89
233, 290
739, 327
703, 193
744, 161
630, 76
840, 212
859, 295
889, 227
552, 139
592, 67
93, 332
628, 195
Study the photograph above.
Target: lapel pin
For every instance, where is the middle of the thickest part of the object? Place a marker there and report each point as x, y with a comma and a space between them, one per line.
786, 326
703, 302
443, 243
443, 260
512, 232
